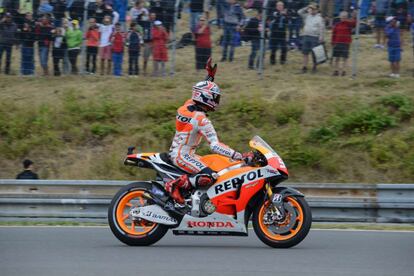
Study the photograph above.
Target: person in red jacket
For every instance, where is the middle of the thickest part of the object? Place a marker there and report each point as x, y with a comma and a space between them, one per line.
159, 48
341, 40
92, 44
202, 43
118, 41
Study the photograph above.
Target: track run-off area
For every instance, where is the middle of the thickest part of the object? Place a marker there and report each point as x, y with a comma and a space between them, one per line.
95, 251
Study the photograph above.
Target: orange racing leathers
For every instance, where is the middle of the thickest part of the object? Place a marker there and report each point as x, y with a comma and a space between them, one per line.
192, 125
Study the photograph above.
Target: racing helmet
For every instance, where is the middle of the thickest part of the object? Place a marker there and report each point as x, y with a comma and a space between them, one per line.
206, 93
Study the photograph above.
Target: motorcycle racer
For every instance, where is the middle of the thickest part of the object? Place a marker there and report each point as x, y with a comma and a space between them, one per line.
192, 125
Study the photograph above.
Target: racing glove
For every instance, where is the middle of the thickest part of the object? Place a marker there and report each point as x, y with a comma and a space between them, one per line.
211, 70
248, 157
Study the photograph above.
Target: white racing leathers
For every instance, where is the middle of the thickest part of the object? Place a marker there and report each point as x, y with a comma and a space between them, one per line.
191, 126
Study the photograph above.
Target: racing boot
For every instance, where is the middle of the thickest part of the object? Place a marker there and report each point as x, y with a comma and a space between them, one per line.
173, 188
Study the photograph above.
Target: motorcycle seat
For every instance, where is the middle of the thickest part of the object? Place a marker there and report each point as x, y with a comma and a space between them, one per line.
166, 158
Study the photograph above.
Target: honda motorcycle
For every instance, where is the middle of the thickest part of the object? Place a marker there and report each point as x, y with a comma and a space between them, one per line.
142, 212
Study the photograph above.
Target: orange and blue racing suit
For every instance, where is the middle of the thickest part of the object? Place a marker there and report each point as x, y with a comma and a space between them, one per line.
192, 125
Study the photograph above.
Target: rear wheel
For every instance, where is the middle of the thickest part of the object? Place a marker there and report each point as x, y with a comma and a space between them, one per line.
288, 232
133, 232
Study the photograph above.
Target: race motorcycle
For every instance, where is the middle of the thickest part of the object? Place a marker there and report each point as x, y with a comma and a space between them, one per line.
142, 212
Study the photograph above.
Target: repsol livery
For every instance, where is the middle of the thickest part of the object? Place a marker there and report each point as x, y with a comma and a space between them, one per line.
142, 212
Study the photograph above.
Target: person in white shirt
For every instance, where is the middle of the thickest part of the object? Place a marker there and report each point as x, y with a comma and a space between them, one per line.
138, 10
105, 52
313, 32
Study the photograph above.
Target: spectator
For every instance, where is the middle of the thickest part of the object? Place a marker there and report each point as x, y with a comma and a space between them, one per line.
252, 33
278, 28
44, 37
27, 38
134, 41
147, 25
392, 31
380, 11
159, 48
327, 10
220, 12
401, 16
233, 19
255, 4
410, 11
45, 8
25, 7
103, 10
313, 32
59, 9
8, 30
157, 8
74, 38
196, 10
59, 49
76, 10
105, 52
92, 44
295, 21
28, 18
202, 43
168, 14
27, 173
341, 40
138, 11
118, 42
66, 62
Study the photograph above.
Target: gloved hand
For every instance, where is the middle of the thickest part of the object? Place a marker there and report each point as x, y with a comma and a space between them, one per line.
248, 157
211, 70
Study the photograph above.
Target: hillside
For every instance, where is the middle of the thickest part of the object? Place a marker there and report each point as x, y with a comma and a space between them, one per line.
328, 129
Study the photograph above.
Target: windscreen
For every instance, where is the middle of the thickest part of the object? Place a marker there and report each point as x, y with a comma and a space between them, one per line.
259, 141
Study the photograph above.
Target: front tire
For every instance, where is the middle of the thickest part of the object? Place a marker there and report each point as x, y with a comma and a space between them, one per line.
289, 232
134, 233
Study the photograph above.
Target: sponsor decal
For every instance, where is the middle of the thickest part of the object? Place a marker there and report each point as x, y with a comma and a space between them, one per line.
237, 181
219, 149
193, 161
251, 185
183, 119
210, 224
272, 171
151, 214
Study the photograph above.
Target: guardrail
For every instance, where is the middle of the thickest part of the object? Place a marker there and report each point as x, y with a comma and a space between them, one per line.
87, 201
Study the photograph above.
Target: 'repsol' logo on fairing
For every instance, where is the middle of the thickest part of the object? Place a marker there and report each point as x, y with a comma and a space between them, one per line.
210, 224
237, 181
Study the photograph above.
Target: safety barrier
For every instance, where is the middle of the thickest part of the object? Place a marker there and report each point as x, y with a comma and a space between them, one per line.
87, 201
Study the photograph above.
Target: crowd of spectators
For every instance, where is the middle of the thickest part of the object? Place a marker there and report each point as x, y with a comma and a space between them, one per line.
143, 28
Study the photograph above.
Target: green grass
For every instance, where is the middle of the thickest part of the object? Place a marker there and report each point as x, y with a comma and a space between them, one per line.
326, 129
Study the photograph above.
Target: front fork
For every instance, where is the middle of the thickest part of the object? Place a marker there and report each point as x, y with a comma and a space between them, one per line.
277, 209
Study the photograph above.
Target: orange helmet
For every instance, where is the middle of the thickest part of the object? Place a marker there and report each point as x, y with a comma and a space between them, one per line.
206, 93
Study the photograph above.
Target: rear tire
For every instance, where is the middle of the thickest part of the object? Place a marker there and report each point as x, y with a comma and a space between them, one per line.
127, 231
295, 231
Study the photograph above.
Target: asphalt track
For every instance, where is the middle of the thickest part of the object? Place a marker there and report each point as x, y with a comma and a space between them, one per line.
95, 251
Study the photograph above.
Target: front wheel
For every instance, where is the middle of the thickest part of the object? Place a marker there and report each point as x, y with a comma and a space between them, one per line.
287, 233
133, 232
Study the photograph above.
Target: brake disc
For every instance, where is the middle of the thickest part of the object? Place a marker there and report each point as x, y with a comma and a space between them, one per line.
281, 227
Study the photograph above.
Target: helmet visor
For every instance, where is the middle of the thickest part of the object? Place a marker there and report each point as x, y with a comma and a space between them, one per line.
216, 98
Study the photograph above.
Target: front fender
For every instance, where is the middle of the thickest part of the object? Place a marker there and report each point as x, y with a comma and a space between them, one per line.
287, 191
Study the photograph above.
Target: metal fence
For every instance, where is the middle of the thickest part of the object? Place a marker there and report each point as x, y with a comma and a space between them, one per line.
175, 12
87, 201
